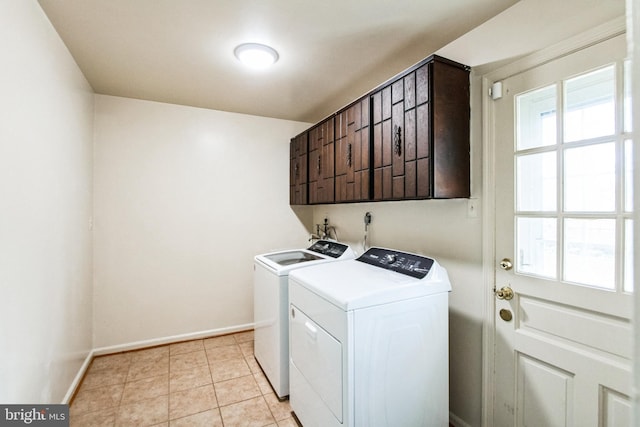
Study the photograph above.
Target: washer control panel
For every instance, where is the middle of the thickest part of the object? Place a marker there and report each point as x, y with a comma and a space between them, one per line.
400, 262
329, 248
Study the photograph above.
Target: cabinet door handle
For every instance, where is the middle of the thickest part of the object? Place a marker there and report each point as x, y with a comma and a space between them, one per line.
296, 173
319, 165
349, 155
397, 140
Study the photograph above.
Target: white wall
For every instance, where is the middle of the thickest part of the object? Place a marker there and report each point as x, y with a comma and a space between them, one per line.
184, 198
46, 113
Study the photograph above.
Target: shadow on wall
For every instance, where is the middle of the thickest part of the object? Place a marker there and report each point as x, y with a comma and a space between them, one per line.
305, 216
465, 367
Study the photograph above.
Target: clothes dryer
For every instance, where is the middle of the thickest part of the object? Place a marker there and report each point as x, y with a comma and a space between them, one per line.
369, 342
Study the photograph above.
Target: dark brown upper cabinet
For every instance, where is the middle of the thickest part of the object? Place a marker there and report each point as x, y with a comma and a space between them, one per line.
298, 177
420, 123
406, 139
353, 173
322, 163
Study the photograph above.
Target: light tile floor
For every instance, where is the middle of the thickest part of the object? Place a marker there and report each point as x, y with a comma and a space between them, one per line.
208, 382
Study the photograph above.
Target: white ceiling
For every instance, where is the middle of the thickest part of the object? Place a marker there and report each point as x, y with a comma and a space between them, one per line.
331, 51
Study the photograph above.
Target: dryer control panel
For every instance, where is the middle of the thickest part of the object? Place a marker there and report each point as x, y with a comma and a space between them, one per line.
400, 262
329, 248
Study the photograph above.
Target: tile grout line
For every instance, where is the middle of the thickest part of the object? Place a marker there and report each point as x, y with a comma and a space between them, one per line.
245, 356
215, 392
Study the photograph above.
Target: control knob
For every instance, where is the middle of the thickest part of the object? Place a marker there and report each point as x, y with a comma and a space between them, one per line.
390, 258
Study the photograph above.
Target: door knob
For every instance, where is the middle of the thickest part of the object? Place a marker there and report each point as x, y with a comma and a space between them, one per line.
506, 264
505, 293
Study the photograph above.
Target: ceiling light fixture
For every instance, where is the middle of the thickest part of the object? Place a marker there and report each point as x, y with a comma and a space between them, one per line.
256, 55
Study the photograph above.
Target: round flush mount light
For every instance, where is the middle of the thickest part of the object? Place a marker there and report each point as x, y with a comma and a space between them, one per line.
256, 55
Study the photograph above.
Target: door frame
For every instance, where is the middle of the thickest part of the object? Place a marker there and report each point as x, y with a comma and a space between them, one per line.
596, 35
633, 20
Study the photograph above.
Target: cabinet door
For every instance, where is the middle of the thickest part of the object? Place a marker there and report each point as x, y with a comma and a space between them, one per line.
315, 151
398, 150
344, 157
327, 162
352, 153
298, 170
451, 113
421, 134
321, 163
394, 140
423, 127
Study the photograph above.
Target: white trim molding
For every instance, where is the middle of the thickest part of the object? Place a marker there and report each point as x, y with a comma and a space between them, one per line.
633, 40
137, 345
456, 421
488, 253
78, 379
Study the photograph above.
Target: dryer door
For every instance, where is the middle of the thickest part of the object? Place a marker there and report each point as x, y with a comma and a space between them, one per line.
318, 357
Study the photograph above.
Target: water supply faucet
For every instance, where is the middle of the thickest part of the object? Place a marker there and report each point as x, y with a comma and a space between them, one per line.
323, 231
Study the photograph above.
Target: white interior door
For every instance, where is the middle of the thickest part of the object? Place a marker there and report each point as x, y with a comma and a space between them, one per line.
563, 225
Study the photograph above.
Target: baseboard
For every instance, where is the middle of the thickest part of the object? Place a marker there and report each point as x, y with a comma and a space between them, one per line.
144, 344
171, 339
457, 422
78, 378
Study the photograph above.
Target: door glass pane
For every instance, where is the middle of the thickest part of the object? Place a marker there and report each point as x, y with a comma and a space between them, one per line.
589, 110
628, 175
536, 118
628, 255
627, 97
536, 246
536, 182
578, 241
590, 178
589, 252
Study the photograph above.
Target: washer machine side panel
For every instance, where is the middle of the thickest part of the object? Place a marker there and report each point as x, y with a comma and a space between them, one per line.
271, 338
401, 362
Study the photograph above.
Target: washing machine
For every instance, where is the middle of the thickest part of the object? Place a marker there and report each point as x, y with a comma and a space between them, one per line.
271, 334
369, 342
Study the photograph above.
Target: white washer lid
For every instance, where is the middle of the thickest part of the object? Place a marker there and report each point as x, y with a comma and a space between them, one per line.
352, 284
281, 262
277, 261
